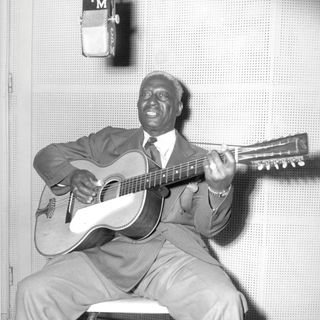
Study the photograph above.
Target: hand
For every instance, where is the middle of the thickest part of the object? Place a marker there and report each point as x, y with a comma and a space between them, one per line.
219, 172
84, 185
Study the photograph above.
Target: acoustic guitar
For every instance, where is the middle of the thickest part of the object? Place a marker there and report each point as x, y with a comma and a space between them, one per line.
129, 201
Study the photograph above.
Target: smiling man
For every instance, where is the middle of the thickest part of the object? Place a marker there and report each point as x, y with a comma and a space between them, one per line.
172, 265
159, 104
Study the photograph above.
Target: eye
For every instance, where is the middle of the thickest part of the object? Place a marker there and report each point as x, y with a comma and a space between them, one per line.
163, 95
146, 94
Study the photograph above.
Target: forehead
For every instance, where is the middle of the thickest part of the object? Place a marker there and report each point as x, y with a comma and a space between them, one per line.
158, 81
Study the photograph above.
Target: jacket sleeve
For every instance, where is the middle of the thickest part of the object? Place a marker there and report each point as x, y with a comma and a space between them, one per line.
53, 163
211, 213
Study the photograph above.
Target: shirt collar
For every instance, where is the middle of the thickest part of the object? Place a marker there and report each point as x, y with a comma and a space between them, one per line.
165, 143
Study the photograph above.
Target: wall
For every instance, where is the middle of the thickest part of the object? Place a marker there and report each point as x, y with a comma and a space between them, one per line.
252, 72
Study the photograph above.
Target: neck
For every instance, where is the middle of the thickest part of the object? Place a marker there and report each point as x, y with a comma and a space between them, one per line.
156, 134
163, 177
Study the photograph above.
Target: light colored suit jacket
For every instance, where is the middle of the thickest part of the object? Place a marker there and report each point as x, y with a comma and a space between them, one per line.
124, 260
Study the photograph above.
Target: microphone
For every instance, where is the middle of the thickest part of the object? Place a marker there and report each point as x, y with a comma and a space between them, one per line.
98, 28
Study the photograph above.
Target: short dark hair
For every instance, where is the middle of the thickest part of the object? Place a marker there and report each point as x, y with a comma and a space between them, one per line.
175, 81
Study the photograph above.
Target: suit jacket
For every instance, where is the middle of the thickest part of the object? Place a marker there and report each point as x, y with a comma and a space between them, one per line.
124, 260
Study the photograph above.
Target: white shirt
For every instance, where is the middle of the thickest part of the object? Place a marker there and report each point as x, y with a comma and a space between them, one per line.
164, 144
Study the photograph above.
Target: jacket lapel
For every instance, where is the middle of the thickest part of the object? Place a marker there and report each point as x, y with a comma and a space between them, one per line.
182, 151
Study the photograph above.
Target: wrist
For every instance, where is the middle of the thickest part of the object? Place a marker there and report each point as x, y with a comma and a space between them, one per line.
219, 194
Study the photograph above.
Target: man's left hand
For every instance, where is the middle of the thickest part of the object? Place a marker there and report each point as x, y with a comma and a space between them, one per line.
219, 171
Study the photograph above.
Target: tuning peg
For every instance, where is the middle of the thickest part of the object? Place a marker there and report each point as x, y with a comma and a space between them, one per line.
260, 166
268, 166
115, 18
276, 165
284, 164
293, 163
301, 163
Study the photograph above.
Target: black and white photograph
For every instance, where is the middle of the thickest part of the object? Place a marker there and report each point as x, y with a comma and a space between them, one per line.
160, 159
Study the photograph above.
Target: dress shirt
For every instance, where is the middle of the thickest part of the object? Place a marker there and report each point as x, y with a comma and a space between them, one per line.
164, 144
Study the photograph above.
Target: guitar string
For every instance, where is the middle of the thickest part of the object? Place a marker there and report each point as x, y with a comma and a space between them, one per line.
144, 179
130, 182
142, 182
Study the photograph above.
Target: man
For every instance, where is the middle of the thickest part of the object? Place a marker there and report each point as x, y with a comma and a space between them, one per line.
172, 265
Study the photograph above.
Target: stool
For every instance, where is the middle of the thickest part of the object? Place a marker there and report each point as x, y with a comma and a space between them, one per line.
131, 305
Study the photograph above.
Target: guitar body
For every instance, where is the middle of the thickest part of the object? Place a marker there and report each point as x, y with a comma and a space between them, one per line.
135, 215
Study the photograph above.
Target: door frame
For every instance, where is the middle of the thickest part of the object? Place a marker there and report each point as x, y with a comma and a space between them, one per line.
4, 159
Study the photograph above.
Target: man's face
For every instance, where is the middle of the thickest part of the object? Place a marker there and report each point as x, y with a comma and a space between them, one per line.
158, 105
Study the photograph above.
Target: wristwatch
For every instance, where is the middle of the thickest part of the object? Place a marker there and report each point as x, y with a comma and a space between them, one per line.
220, 194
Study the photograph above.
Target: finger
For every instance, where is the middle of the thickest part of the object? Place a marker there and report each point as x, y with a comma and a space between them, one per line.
80, 196
212, 172
229, 158
90, 184
87, 189
215, 163
84, 199
98, 183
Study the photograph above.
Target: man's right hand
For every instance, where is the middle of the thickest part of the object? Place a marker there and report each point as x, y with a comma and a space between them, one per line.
84, 185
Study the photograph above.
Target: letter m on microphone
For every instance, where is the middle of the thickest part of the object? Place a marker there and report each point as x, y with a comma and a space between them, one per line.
98, 31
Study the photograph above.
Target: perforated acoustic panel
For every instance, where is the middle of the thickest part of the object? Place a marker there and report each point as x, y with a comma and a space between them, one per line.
252, 72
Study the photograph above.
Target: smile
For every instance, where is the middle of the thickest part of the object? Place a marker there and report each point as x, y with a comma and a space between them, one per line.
151, 113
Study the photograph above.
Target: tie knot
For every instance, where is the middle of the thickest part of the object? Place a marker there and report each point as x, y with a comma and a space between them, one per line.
150, 141
152, 151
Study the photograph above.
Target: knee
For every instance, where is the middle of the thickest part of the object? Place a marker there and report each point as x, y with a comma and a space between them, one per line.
231, 297
232, 304
30, 287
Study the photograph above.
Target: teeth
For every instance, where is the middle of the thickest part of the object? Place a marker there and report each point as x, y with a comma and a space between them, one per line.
151, 113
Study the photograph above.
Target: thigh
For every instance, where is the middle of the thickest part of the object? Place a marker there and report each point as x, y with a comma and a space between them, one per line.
190, 288
75, 272
64, 288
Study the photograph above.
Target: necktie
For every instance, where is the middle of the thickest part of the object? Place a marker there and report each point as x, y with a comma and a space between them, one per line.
152, 151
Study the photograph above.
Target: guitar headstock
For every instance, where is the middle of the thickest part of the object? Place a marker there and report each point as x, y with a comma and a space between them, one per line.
275, 153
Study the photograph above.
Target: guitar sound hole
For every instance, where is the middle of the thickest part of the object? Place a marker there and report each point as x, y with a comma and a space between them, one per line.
109, 191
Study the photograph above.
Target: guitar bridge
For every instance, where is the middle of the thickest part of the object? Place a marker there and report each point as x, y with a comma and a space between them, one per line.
48, 210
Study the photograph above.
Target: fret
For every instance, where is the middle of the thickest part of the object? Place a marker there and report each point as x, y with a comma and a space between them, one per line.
121, 189
154, 178
160, 182
130, 185
124, 187
148, 181
196, 166
143, 183
167, 174
164, 176
136, 184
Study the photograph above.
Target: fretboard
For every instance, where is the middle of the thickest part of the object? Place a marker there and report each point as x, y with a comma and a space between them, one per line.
162, 177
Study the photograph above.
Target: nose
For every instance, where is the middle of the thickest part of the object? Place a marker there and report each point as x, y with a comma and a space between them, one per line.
152, 99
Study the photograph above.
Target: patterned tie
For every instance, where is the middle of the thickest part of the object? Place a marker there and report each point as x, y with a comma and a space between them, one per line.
152, 151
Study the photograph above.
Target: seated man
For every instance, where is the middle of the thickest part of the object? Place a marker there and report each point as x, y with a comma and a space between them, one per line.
172, 265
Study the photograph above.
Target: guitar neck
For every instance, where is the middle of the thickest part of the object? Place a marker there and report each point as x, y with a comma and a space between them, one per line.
273, 152
163, 177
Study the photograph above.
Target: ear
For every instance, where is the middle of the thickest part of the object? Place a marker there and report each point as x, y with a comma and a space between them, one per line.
179, 109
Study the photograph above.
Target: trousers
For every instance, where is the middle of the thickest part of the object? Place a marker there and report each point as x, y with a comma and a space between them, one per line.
190, 288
